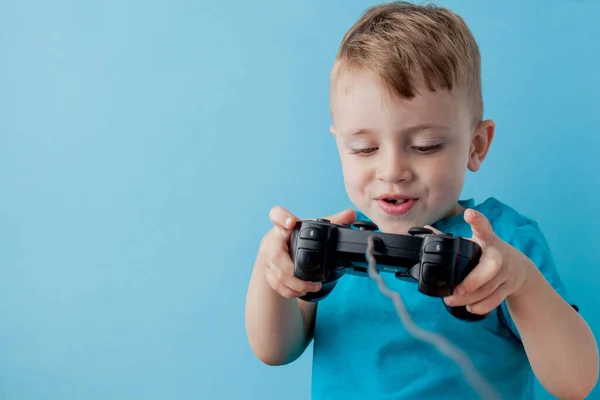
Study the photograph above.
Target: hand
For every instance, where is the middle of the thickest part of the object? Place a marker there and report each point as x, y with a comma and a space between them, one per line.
501, 272
274, 257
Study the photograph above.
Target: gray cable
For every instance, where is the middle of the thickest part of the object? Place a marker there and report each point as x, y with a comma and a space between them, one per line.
477, 381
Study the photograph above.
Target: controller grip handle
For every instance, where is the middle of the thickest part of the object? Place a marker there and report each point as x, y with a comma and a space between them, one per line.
461, 313
326, 289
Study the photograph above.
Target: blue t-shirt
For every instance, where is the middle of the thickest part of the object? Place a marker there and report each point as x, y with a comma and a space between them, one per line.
361, 349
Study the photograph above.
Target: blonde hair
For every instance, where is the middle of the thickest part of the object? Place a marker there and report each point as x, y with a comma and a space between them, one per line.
406, 44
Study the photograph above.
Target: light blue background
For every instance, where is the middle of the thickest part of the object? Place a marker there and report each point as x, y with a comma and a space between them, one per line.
143, 143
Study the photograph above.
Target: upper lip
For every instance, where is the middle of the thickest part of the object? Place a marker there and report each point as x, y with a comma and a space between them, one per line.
393, 196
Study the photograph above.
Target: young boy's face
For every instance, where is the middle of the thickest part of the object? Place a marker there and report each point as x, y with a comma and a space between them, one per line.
404, 162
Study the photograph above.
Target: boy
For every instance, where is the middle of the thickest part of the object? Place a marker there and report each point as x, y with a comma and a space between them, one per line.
408, 122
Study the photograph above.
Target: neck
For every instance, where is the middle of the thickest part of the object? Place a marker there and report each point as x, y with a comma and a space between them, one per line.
457, 209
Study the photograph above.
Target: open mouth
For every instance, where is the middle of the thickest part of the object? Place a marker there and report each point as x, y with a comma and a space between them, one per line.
396, 205
395, 202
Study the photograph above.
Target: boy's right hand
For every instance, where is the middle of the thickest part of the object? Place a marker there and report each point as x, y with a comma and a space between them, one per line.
274, 257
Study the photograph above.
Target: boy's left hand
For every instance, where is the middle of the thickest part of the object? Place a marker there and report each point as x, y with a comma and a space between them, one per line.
501, 272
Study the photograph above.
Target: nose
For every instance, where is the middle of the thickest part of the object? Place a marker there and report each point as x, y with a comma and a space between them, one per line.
394, 167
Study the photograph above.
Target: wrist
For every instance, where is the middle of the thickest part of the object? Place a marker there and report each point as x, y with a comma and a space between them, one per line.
529, 273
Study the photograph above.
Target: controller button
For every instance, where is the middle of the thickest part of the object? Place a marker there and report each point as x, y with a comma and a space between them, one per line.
435, 247
435, 275
365, 226
308, 260
419, 231
323, 220
310, 233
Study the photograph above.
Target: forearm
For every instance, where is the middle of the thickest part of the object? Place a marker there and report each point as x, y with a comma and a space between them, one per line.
274, 324
560, 346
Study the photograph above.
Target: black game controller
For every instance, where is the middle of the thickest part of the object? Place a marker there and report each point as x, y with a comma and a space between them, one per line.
324, 252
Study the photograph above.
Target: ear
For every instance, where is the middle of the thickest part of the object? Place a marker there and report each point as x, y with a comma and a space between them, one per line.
332, 130
480, 144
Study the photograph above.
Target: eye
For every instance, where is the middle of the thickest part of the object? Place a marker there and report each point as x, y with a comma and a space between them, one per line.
365, 151
428, 149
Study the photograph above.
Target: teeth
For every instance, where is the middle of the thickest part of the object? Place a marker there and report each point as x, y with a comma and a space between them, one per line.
396, 202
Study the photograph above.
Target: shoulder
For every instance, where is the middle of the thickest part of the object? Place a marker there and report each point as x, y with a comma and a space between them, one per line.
508, 223
515, 228
501, 213
524, 234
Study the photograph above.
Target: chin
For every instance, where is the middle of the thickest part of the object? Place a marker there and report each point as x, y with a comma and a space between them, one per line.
391, 224
396, 227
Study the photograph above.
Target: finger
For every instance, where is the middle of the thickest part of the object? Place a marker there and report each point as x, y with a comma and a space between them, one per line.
280, 287
483, 233
436, 231
283, 221
481, 293
281, 283
282, 267
276, 239
489, 303
489, 266
282, 217
348, 216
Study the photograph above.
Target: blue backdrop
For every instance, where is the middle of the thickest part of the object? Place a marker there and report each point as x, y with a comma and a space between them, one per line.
142, 144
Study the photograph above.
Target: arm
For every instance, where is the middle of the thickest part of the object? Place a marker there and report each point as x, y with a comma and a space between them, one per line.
559, 344
279, 325
279, 329
520, 277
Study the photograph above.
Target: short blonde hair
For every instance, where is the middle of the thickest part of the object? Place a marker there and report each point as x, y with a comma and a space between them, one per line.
405, 44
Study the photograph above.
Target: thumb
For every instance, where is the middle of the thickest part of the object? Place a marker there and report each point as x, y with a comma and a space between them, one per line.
483, 233
348, 216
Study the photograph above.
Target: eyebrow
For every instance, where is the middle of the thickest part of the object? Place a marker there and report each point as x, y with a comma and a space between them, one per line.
360, 132
409, 131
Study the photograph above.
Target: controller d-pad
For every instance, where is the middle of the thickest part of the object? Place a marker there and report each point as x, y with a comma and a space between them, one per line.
435, 275
310, 233
309, 260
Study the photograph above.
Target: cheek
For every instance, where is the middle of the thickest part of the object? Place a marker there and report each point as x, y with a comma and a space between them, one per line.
356, 175
445, 178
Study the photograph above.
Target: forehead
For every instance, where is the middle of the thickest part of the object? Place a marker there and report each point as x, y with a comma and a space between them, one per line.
360, 101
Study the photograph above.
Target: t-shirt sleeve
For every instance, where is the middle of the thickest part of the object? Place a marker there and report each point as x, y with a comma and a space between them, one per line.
530, 240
